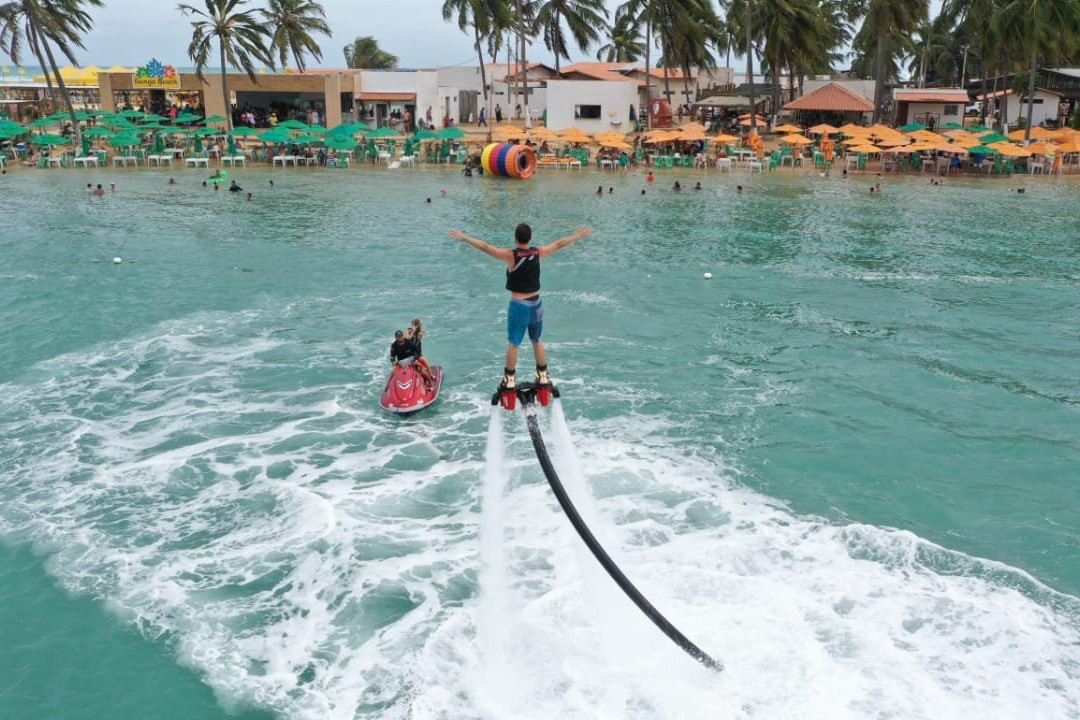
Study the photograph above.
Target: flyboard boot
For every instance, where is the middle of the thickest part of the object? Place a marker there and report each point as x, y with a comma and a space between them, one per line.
507, 392
543, 385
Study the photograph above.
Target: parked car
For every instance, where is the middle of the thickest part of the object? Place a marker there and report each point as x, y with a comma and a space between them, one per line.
974, 108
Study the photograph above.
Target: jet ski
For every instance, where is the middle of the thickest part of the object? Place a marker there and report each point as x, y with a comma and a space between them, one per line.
405, 391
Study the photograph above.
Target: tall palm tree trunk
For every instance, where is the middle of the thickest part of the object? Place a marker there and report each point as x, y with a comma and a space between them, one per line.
558, 48
36, 47
63, 89
225, 88
1031, 84
750, 70
879, 77
524, 64
483, 76
648, 76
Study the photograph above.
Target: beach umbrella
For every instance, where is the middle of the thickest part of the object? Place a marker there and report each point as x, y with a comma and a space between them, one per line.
424, 135
795, 140
184, 118
206, 132
1070, 146
865, 147
788, 128
543, 133
911, 127
8, 134
898, 141
979, 129
50, 140
1040, 148
215, 119
690, 127
293, 125
124, 140
132, 114
349, 128
1040, 133
42, 122
1009, 150
152, 126
340, 142
153, 118
982, 150
83, 116
243, 131
722, 138
451, 133
97, 131
314, 129
507, 132
852, 129
275, 136
58, 116
951, 126
823, 129
993, 138
307, 139
927, 136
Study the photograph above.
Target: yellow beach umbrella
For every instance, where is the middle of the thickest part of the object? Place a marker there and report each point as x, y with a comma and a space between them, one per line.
691, 136
541, 133
896, 141
507, 132
663, 137
1010, 150
795, 140
1018, 134
853, 129
609, 135
723, 138
950, 148
573, 134
693, 127
865, 147
1040, 148
1069, 146
927, 136
788, 128
617, 145
823, 129
1041, 133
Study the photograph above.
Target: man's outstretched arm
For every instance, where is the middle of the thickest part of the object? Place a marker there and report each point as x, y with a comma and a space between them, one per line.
550, 248
502, 254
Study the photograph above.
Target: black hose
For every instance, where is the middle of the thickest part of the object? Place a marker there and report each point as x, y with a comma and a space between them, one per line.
604, 559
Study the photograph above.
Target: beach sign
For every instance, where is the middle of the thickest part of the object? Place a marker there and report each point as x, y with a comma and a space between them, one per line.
156, 76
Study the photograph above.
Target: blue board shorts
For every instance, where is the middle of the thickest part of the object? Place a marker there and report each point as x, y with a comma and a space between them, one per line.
524, 315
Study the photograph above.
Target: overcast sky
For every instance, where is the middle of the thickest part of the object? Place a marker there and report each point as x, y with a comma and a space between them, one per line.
130, 32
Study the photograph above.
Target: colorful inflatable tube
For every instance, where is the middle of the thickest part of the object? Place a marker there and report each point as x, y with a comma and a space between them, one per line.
516, 161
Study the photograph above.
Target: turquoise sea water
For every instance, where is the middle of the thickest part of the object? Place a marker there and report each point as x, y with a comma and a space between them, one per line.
847, 465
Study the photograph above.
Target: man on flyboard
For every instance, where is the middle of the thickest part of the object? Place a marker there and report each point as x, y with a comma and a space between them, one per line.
526, 312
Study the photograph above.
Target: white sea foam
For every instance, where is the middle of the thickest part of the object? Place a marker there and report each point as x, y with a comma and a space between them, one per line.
309, 555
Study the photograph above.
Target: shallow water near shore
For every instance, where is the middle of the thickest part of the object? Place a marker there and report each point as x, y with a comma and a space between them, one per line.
846, 466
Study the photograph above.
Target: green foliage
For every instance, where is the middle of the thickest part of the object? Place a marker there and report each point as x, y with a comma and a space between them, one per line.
364, 52
292, 23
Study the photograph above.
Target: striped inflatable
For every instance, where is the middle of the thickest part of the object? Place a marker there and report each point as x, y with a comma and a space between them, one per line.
516, 161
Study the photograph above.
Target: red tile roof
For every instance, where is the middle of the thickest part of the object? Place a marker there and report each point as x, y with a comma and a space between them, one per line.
833, 97
385, 96
956, 95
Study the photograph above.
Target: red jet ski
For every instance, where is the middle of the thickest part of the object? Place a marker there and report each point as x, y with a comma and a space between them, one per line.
405, 391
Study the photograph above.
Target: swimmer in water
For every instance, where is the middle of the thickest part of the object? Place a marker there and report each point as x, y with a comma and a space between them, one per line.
89, 188
697, 186
676, 187
172, 181
99, 191
650, 177
249, 197
600, 190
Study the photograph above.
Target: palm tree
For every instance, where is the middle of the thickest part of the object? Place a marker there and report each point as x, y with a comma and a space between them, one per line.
585, 19
240, 37
484, 17
364, 52
42, 24
1049, 26
625, 45
293, 23
886, 23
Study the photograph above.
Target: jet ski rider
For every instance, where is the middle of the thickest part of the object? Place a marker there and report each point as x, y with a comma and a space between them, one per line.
403, 353
525, 312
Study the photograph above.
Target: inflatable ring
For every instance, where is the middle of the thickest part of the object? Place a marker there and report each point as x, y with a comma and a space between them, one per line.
516, 161
221, 177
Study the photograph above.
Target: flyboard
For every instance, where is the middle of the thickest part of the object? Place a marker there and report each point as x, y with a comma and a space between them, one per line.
529, 395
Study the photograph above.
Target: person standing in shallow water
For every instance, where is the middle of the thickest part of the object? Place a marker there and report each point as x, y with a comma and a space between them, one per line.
525, 312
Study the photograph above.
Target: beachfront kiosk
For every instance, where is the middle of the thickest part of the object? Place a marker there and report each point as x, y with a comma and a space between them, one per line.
158, 83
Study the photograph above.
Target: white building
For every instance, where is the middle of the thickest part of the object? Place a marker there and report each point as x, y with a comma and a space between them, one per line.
591, 105
1047, 106
450, 93
932, 107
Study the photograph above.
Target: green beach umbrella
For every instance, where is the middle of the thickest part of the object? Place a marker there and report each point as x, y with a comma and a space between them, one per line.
152, 126
993, 138
293, 125
982, 150
275, 136
244, 132
42, 122
316, 130
951, 126
50, 140
307, 139
340, 142
153, 118
424, 134
184, 118
124, 140
215, 119
97, 131
348, 128
8, 134
978, 128
383, 132
58, 116
204, 132
451, 133
83, 116
132, 114
911, 127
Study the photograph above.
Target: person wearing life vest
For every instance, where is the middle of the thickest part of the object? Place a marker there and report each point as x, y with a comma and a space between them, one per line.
526, 312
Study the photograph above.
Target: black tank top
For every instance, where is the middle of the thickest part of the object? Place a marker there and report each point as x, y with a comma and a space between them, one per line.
525, 276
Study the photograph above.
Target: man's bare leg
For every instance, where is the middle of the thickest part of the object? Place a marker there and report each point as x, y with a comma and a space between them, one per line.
541, 363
